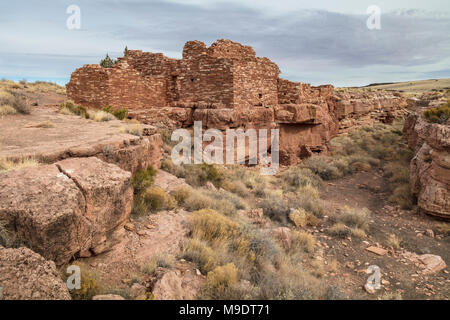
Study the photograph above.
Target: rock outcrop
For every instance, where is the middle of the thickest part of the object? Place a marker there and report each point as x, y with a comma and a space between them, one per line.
227, 86
25, 275
430, 167
73, 208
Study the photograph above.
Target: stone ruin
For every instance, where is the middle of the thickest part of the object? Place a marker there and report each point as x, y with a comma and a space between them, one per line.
227, 86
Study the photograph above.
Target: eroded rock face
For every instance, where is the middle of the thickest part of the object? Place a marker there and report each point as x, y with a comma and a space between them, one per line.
25, 275
75, 207
430, 167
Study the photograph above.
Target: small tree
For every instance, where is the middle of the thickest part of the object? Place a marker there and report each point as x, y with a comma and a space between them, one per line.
107, 62
125, 52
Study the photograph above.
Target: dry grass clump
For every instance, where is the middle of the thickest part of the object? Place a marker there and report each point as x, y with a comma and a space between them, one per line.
394, 242
196, 175
221, 200
296, 177
200, 252
13, 102
209, 225
70, 108
134, 128
351, 222
7, 165
303, 241
45, 125
181, 193
158, 261
6, 110
155, 198
101, 116
221, 279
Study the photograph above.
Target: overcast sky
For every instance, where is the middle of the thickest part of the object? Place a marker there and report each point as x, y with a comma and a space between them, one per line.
316, 41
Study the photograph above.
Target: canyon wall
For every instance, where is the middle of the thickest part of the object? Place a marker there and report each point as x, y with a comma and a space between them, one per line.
430, 167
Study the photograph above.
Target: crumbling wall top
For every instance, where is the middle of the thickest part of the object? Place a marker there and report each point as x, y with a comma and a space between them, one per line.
232, 50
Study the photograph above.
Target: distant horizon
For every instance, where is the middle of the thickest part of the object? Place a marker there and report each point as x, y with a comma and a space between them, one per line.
64, 81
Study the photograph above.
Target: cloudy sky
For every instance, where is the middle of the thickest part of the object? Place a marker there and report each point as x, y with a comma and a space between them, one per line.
312, 41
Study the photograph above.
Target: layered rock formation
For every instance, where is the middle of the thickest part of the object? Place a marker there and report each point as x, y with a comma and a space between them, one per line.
73, 208
227, 86
25, 275
430, 167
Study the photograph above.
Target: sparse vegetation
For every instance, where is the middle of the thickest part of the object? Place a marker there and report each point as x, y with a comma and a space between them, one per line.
69, 107
120, 114
7, 165
90, 284
107, 62
12, 102
351, 222
439, 114
394, 241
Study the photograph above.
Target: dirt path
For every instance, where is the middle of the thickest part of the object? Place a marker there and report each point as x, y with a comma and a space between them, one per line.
400, 275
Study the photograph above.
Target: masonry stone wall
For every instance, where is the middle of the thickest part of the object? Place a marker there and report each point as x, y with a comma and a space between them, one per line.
227, 86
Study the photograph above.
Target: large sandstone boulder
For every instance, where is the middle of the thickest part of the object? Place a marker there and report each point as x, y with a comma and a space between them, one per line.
75, 207
25, 275
430, 167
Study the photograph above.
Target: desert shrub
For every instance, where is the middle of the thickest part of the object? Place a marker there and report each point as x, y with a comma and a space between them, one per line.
90, 284
143, 179
302, 241
209, 225
222, 201
176, 170
14, 100
318, 165
305, 201
237, 187
402, 196
181, 193
290, 283
439, 114
301, 218
354, 218
201, 253
221, 279
340, 230
198, 175
299, 177
275, 207
156, 198
117, 113
7, 165
309, 191
72, 108
6, 110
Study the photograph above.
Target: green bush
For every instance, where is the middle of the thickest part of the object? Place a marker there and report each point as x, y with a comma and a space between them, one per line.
143, 179
118, 113
73, 108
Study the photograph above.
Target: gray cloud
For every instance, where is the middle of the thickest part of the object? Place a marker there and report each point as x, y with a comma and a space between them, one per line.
315, 46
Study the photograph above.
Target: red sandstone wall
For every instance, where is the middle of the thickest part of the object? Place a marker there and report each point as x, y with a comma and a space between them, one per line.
255, 83
89, 86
